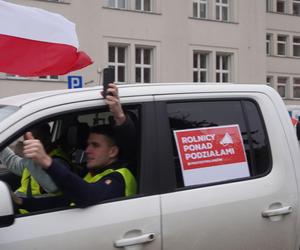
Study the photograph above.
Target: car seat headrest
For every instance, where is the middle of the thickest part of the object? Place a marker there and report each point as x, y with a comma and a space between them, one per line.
77, 135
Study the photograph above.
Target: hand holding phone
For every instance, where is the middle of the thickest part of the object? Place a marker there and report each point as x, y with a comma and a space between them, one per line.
108, 77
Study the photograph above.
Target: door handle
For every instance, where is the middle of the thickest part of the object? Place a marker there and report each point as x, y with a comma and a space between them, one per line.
145, 238
277, 211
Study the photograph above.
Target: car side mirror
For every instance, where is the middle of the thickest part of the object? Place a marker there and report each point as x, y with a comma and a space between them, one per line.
7, 216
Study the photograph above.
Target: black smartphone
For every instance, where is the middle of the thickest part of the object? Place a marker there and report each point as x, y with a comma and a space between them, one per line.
108, 77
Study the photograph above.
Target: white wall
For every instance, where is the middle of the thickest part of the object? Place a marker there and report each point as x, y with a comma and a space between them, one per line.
171, 31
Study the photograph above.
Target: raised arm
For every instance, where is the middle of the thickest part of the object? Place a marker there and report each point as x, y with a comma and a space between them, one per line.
124, 127
12, 162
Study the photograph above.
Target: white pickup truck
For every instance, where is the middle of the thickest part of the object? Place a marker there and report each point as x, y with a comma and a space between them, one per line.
218, 167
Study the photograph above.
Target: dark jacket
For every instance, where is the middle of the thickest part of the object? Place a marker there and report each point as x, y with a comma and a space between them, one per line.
76, 190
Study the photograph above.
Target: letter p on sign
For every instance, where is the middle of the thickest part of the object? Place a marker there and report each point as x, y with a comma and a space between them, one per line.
75, 82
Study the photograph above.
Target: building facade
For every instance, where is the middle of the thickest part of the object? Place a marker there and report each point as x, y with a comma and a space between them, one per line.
238, 41
283, 48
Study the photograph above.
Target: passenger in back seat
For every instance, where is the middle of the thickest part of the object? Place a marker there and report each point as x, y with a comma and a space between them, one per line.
35, 182
108, 177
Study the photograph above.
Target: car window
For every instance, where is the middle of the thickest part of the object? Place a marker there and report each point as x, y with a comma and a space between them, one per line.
69, 133
242, 150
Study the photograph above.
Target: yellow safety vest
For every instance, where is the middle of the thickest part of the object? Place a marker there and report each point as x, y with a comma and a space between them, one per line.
34, 189
29, 186
130, 182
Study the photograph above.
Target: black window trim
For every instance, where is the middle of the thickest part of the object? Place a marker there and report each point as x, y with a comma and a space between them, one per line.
166, 161
149, 183
150, 171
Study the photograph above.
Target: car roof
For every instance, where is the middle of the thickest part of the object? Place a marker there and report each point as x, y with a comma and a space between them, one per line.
126, 90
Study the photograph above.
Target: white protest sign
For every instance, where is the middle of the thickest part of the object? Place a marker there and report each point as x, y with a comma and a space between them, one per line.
211, 154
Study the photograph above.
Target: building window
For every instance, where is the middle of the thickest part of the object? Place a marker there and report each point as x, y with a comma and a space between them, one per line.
200, 67
49, 77
117, 60
200, 9
269, 5
222, 10
121, 4
269, 81
296, 88
143, 5
281, 85
57, 1
281, 45
222, 68
143, 65
281, 6
269, 44
11, 76
296, 7
296, 46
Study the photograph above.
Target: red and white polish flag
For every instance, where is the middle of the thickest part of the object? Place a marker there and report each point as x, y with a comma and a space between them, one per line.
36, 42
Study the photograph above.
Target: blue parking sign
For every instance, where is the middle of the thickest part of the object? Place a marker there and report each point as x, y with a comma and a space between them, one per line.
75, 82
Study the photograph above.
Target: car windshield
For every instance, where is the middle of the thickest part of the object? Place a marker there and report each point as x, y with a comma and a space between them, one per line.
6, 111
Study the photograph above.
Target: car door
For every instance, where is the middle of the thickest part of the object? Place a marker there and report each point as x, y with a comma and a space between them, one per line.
103, 226
132, 223
255, 212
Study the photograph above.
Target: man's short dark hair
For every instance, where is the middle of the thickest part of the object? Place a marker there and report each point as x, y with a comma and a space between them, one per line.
105, 130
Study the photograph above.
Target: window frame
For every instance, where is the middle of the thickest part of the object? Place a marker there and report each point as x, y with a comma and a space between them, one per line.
142, 66
148, 165
200, 69
284, 6
49, 78
283, 43
282, 84
269, 44
165, 146
297, 45
220, 70
142, 4
296, 86
296, 6
55, 1
116, 64
115, 4
269, 5
220, 9
38, 78
270, 80
199, 4
15, 77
